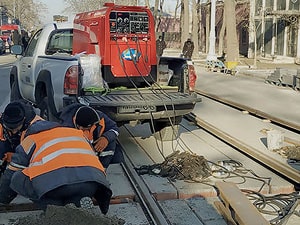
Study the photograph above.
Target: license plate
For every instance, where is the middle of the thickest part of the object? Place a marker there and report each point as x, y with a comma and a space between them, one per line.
135, 109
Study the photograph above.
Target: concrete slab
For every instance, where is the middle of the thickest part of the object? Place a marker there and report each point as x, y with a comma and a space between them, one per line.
250, 175
117, 179
178, 212
132, 213
227, 120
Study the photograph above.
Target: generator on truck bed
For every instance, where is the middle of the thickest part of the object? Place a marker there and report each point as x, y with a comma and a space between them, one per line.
59, 64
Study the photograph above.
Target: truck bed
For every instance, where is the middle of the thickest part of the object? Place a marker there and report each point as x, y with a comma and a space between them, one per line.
128, 104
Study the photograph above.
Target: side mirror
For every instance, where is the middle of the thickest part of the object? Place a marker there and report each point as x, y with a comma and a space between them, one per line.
16, 49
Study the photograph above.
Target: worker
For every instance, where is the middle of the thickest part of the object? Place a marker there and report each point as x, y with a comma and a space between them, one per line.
98, 128
55, 165
14, 121
160, 46
188, 48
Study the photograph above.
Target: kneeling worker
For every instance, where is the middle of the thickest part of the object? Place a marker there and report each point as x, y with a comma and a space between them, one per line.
55, 165
98, 128
14, 121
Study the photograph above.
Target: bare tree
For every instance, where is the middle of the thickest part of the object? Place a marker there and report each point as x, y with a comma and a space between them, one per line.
231, 35
185, 17
27, 12
222, 34
196, 22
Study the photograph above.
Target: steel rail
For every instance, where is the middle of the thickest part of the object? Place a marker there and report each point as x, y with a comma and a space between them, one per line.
279, 167
251, 110
148, 201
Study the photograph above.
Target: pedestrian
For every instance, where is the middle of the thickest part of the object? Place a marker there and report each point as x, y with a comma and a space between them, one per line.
188, 49
16, 38
55, 165
9, 42
98, 128
160, 46
14, 121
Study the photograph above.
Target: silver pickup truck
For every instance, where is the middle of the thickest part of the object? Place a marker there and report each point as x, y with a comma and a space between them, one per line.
50, 77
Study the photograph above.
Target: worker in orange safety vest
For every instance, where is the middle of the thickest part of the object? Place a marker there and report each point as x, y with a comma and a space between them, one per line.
15, 119
98, 128
55, 165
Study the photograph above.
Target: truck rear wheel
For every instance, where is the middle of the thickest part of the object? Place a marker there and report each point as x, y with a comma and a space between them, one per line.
45, 110
14, 90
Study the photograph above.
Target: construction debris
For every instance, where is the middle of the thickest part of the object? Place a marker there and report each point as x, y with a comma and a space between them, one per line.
289, 152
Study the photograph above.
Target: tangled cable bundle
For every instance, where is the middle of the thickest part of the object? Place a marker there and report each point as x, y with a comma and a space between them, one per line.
280, 206
181, 166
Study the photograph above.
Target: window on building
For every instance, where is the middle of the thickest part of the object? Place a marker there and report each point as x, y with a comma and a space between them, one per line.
294, 5
281, 5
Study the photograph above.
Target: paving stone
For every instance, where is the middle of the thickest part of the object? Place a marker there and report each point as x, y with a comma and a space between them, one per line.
160, 187
178, 212
117, 179
132, 213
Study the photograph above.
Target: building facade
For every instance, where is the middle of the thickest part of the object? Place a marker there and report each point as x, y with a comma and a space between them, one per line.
274, 28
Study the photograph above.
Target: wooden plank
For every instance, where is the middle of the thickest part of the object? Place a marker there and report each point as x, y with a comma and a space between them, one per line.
241, 209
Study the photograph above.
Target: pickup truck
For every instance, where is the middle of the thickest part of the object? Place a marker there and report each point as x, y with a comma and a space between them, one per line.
49, 74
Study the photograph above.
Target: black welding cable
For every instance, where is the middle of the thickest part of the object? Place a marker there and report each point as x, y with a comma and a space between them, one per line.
136, 88
154, 91
172, 120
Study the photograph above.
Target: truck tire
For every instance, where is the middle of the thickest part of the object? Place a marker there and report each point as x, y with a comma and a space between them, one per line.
45, 110
14, 90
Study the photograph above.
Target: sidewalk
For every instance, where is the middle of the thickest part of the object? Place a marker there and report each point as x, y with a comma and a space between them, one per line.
264, 66
7, 58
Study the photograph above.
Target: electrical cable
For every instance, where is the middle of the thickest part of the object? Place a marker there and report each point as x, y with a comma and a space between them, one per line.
280, 206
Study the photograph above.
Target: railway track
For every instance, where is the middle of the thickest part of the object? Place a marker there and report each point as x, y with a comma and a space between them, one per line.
147, 199
286, 127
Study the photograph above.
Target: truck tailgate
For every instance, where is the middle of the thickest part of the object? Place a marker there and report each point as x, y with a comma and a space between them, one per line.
120, 104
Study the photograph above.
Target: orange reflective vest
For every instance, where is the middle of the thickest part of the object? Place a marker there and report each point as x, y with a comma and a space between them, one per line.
58, 148
2, 138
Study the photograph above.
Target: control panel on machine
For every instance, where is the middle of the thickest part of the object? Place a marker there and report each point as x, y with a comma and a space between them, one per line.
128, 22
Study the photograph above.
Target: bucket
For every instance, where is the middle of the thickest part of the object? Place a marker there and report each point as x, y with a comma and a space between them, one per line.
274, 139
163, 75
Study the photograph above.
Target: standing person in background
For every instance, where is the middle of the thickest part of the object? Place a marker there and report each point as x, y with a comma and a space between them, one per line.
16, 38
160, 46
188, 49
9, 42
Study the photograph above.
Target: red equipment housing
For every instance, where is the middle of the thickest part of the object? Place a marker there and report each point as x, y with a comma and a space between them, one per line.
6, 29
124, 38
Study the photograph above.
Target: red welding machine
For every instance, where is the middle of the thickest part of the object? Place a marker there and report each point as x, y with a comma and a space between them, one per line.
124, 38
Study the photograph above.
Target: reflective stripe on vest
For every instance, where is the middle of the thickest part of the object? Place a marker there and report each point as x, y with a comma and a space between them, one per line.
60, 147
2, 138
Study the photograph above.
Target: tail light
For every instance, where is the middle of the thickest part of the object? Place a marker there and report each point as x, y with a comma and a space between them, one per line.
71, 81
192, 77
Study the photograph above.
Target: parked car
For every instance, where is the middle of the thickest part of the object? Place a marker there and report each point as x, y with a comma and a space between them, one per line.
2, 47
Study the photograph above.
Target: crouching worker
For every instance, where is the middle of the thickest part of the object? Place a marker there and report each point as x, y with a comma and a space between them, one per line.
97, 127
14, 121
55, 165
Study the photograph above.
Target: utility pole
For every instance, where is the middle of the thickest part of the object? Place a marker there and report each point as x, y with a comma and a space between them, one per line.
211, 56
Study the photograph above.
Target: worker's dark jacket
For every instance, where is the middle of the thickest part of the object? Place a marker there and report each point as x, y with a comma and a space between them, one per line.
49, 157
106, 127
8, 143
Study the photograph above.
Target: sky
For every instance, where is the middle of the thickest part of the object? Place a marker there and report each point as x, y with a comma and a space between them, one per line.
56, 7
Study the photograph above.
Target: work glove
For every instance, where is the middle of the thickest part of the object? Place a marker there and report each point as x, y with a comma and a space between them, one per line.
7, 156
100, 144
